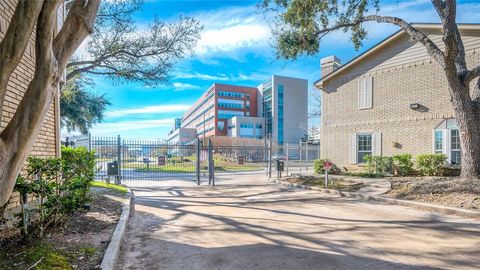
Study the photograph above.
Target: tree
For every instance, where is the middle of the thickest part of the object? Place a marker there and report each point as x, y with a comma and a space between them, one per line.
303, 23
52, 53
122, 52
80, 109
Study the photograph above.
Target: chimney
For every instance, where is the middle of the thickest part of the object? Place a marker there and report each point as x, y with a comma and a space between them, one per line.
329, 64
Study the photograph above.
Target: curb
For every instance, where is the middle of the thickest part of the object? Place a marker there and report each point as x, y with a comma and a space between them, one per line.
113, 250
419, 205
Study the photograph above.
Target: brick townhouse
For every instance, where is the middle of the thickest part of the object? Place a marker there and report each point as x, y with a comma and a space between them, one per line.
47, 143
391, 99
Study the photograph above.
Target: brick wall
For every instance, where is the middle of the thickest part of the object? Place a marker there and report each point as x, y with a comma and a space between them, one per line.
47, 142
394, 89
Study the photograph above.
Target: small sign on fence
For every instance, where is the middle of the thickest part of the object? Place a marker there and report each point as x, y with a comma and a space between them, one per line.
241, 160
161, 160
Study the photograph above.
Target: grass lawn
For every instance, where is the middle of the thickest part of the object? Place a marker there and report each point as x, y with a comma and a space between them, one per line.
121, 189
189, 167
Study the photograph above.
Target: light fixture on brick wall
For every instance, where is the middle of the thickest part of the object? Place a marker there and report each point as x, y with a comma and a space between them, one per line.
415, 106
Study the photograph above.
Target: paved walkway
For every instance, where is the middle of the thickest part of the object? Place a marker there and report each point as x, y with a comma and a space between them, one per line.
266, 226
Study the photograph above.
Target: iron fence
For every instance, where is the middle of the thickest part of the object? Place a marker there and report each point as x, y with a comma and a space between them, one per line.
135, 159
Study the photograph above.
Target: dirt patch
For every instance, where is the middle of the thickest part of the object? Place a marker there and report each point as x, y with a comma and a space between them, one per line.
338, 184
448, 191
79, 244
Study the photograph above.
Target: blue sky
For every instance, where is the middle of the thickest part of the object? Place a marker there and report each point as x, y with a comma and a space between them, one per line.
235, 48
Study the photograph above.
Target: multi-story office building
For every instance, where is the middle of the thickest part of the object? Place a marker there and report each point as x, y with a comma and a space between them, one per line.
283, 104
277, 108
209, 115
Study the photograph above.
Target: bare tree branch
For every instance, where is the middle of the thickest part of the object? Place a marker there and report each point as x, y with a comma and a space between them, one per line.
432, 48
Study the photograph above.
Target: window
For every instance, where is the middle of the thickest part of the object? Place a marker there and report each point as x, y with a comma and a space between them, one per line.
280, 114
365, 96
455, 154
438, 148
446, 140
221, 125
364, 146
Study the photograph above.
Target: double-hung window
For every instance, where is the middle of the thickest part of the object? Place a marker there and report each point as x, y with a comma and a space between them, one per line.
438, 143
364, 146
455, 154
365, 92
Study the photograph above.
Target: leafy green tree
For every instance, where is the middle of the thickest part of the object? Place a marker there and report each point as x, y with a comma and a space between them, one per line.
303, 23
80, 108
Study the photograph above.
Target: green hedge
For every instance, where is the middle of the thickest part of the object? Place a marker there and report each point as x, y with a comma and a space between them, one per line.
378, 164
431, 164
60, 184
402, 164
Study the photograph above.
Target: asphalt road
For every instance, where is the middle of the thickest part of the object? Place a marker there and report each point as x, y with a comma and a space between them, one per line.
256, 225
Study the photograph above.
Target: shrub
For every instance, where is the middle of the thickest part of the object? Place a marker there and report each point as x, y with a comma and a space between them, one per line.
402, 164
60, 184
430, 164
378, 164
318, 167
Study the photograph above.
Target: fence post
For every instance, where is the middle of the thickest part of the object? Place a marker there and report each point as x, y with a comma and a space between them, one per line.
287, 157
197, 163
119, 160
300, 154
306, 156
210, 162
89, 141
269, 170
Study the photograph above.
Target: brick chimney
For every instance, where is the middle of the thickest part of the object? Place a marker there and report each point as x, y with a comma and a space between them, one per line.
329, 64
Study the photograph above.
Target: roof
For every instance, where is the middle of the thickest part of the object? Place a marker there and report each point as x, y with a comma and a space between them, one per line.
381, 44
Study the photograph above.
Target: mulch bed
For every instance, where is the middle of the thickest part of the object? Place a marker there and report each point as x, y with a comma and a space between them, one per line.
78, 244
447, 191
339, 184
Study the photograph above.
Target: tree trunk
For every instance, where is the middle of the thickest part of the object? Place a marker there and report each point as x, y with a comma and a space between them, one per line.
468, 122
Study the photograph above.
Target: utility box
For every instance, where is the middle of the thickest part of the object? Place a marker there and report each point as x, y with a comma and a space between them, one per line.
112, 168
280, 165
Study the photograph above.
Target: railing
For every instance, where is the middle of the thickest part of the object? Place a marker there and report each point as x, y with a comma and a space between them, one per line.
137, 159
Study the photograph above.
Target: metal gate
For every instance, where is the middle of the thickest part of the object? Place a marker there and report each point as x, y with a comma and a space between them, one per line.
123, 160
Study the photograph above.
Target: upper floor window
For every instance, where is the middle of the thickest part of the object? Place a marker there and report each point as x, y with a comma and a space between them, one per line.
365, 92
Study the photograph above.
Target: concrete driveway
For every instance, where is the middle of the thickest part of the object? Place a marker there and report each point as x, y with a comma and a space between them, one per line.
267, 226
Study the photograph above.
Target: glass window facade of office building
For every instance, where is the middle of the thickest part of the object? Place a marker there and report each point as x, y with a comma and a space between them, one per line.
267, 109
230, 94
230, 104
280, 114
228, 114
251, 130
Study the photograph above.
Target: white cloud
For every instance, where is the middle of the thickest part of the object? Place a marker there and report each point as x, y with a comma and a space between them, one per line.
168, 108
222, 77
179, 86
230, 29
110, 128
201, 76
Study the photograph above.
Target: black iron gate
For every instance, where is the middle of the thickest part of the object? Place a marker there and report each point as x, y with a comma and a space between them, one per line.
123, 160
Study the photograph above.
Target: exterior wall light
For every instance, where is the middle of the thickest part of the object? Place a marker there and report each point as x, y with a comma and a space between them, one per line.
414, 106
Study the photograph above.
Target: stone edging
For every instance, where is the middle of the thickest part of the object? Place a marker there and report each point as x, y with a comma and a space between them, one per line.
420, 205
113, 250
